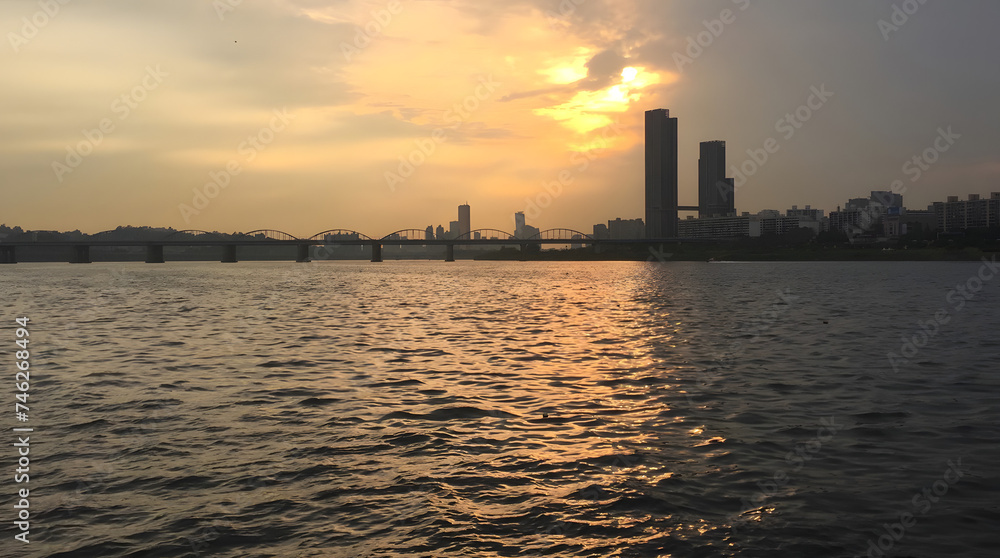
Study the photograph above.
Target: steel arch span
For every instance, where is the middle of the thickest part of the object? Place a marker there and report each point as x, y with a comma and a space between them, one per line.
349, 234
108, 232
270, 234
487, 234
406, 234
562, 234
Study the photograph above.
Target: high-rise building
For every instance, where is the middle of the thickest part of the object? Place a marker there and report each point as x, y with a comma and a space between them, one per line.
464, 219
519, 223
453, 230
661, 174
716, 193
429, 233
440, 232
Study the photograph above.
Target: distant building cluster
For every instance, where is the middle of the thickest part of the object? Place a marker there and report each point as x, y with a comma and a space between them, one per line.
716, 191
882, 215
456, 229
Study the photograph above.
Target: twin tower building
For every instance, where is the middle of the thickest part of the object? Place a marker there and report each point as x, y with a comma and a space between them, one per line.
716, 193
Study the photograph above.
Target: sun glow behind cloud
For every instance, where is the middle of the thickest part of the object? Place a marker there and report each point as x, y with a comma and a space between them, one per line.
564, 71
358, 111
591, 110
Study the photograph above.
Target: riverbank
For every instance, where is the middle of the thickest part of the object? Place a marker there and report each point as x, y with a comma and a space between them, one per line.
701, 252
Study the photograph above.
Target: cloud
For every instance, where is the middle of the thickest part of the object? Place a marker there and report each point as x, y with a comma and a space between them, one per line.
559, 65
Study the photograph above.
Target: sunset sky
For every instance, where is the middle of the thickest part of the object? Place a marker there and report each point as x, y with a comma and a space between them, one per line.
305, 108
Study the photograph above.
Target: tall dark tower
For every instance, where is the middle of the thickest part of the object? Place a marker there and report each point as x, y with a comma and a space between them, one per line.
661, 174
716, 193
464, 219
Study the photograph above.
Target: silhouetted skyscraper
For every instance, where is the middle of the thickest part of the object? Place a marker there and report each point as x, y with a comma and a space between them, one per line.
464, 219
661, 174
519, 223
716, 193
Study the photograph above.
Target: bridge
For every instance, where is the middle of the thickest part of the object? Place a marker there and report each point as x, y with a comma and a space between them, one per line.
229, 243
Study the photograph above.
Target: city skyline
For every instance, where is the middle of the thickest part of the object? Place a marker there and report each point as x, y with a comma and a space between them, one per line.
246, 115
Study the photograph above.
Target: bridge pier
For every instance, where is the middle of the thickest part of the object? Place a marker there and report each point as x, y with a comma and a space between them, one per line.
229, 253
303, 254
449, 255
81, 254
154, 253
524, 253
376, 252
8, 255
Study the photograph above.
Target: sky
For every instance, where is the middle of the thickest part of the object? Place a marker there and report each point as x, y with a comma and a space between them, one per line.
376, 116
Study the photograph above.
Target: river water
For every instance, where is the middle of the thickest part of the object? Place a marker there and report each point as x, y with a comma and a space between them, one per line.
506, 409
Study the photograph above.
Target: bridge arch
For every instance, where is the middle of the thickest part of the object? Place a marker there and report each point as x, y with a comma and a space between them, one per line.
487, 234
339, 232
271, 234
561, 234
406, 234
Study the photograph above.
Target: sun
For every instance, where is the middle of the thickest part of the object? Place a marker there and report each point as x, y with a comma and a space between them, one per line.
589, 110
